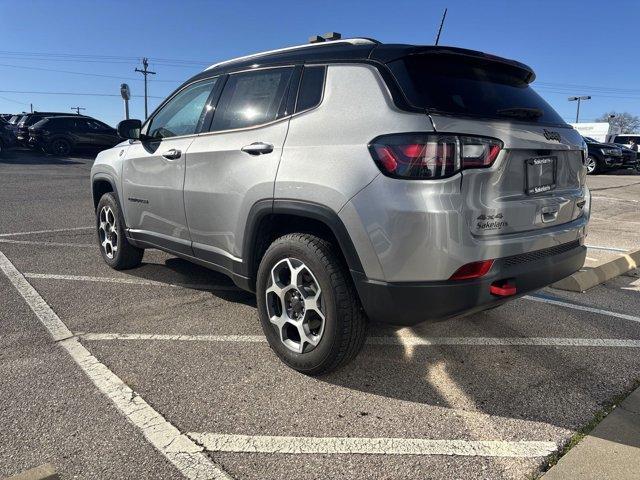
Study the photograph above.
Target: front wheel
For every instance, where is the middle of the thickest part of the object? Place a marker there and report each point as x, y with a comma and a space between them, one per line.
116, 250
594, 166
308, 307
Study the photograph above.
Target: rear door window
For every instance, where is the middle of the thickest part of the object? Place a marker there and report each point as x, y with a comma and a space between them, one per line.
252, 98
465, 86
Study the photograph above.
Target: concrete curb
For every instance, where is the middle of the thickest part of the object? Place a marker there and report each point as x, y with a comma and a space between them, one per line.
586, 279
611, 451
43, 472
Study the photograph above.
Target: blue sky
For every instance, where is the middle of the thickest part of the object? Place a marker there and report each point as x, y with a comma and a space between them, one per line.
581, 47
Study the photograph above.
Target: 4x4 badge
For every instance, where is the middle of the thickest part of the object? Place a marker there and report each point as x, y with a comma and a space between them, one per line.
551, 135
498, 216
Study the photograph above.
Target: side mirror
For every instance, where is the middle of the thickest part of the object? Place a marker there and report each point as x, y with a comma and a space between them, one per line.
129, 129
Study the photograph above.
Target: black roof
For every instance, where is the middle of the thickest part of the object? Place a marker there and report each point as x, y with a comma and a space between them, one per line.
352, 50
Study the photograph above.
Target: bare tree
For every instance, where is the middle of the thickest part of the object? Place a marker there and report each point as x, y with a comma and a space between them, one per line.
628, 123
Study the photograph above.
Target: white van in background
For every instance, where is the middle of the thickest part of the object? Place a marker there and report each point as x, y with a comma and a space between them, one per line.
603, 132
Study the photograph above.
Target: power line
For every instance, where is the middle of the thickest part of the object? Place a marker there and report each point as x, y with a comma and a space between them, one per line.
14, 101
84, 73
94, 57
71, 93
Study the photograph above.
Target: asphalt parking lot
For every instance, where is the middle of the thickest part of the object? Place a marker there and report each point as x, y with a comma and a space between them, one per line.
162, 371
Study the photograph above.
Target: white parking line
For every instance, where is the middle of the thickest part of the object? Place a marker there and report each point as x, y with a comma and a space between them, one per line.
170, 337
130, 281
179, 449
583, 308
608, 249
49, 244
372, 446
33, 232
404, 340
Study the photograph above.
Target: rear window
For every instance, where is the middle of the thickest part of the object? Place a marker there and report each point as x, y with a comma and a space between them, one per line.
467, 87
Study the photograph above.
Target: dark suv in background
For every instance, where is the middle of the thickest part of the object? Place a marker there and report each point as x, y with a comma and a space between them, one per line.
29, 119
7, 138
602, 156
62, 134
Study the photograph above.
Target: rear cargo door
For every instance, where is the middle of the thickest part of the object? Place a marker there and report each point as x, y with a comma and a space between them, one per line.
537, 180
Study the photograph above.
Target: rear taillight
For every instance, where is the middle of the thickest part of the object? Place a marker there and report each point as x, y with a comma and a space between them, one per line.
472, 270
432, 155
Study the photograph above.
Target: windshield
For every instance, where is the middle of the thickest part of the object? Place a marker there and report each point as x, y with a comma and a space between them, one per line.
468, 87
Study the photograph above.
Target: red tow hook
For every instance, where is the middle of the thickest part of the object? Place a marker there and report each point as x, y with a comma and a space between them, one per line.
503, 288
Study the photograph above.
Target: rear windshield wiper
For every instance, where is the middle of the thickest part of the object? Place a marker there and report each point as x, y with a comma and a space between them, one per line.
521, 112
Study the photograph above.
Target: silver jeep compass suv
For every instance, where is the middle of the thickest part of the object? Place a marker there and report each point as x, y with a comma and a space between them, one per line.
352, 181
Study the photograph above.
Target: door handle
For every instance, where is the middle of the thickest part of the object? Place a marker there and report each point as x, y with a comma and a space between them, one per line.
258, 148
172, 154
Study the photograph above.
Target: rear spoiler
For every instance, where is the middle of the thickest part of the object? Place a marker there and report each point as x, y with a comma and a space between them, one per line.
386, 53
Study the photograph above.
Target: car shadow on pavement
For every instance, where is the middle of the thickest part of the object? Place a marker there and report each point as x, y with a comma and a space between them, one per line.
560, 386
182, 272
12, 158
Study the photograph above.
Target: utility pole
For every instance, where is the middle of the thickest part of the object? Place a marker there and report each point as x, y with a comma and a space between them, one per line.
579, 99
444, 15
31, 105
77, 109
145, 71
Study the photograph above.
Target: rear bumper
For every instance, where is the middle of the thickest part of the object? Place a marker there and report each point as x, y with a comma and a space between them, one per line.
410, 303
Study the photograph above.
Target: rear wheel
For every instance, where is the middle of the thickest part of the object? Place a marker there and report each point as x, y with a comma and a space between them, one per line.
60, 146
594, 166
308, 306
116, 250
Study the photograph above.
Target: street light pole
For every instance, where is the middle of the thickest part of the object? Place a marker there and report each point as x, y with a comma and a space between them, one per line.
579, 99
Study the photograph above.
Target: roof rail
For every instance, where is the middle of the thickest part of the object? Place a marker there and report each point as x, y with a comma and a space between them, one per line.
352, 41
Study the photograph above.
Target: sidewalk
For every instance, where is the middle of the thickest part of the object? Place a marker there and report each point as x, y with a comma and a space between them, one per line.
610, 451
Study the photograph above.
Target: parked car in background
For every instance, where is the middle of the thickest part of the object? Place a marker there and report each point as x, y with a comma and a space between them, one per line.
625, 139
22, 135
7, 137
61, 135
602, 156
13, 122
629, 156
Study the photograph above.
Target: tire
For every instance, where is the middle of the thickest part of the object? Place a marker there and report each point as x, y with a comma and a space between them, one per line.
116, 250
60, 147
329, 291
594, 165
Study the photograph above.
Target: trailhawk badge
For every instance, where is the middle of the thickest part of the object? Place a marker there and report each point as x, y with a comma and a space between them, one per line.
491, 222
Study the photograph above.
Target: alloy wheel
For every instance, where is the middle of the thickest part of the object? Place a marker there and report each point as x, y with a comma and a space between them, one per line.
294, 305
108, 231
61, 147
590, 164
